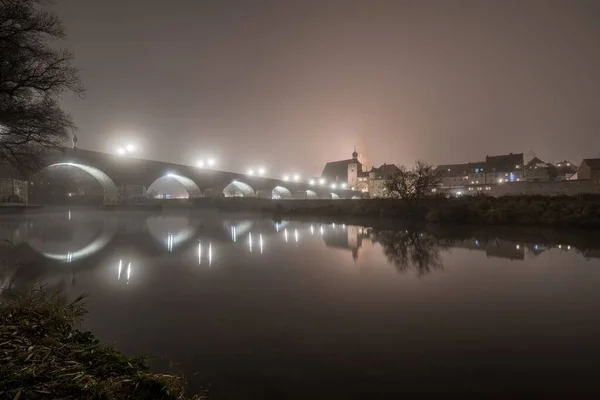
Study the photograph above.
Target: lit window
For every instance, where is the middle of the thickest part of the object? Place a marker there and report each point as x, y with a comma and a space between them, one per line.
517, 166
448, 169
470, 188
434, 190
472, 182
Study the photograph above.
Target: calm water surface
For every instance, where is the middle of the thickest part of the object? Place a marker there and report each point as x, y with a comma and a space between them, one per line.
252, 308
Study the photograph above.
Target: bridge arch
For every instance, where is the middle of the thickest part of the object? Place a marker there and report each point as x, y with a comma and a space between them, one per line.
111, 192
334, 196
189, 185
281, 192
238, 189
311, 194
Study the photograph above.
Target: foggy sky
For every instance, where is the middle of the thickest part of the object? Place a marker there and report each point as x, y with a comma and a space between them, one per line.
291, 84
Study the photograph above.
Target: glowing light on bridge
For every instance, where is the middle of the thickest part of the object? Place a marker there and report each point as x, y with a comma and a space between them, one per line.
250, 172
200, 164
344, 185
129, 148
322, 181
286, 178
296, 177
311, 182
262, 171
333, 185
211, 162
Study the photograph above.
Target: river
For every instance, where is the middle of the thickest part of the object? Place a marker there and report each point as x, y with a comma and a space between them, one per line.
252, 308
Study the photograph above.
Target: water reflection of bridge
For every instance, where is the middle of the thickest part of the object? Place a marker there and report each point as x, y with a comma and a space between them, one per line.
70, 240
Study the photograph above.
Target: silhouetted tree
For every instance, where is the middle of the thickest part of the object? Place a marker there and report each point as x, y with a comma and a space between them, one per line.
33, 75
411, 185
409, 249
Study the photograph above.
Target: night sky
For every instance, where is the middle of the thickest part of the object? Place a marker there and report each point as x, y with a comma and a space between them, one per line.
291, 84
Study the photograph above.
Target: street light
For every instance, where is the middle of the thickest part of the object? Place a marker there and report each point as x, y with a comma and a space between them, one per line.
250, 172
121, 151
211, 162
344, 185
200, 164
296, 177
333, 186
311, 182
321, 181
286, 178
130, 148
261, 171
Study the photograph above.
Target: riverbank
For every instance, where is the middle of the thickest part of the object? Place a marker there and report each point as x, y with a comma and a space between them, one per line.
42, 356
560, 211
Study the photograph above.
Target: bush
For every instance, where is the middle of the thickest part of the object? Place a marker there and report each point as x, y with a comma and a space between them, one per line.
44, 357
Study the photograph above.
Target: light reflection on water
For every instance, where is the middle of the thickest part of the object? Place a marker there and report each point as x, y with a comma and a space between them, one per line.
356, 311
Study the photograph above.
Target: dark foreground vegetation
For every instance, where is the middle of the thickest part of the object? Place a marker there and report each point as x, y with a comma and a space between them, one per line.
562, 211
42, 356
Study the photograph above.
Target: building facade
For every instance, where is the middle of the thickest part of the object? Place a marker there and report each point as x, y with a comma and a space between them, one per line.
343, 171
589, 169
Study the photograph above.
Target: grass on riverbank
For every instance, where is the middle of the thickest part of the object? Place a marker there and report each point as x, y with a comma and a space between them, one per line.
42, 356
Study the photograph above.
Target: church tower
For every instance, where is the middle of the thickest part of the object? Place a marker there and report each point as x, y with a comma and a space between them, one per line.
353, 167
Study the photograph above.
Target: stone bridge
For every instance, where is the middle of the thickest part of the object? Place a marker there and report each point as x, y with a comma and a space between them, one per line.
120, 175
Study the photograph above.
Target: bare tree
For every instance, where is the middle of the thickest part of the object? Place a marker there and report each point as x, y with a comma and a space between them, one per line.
411, 185
33, 76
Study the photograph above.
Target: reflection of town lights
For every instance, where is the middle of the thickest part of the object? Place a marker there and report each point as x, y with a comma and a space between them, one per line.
296, 235
260, 242
199, 253
169, 242
120, 268
312, 229
233, 234
277, 226
209, 254
322, 230
285, 235
128, 272
69, 214
250, 241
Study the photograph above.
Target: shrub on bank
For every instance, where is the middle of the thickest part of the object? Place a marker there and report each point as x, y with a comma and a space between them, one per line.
42, 356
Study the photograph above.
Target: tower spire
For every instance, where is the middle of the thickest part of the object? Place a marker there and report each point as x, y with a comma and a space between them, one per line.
354, 154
